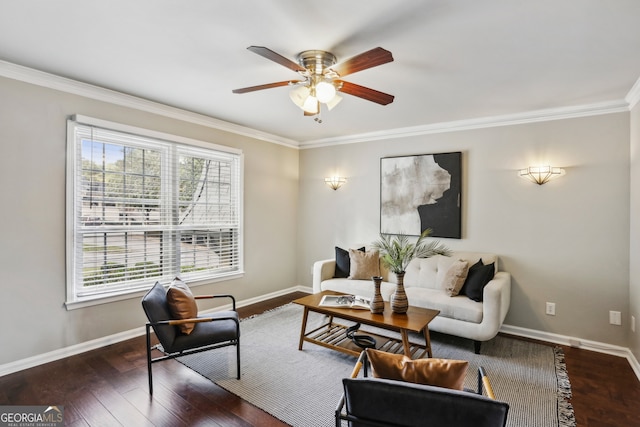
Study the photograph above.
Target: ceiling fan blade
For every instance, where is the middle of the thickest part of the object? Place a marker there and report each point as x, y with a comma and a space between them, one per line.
266, 86
368, 59
365, 93
276, 57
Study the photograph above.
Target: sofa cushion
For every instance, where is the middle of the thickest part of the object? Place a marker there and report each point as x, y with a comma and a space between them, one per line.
364, 265
422, 272
436, 372
477, 278
431, 272
182, 304
455, 277
343, 262
459, 307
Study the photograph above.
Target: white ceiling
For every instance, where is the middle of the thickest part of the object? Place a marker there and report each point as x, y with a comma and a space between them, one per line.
453, 59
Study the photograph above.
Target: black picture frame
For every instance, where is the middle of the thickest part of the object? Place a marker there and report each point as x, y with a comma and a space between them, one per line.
419, 192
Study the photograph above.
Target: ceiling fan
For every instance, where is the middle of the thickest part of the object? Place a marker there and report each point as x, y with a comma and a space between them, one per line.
322, 77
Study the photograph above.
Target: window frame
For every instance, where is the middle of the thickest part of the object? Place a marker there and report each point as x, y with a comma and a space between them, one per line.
168, 142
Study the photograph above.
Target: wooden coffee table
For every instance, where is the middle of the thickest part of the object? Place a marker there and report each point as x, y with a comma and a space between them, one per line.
332, 335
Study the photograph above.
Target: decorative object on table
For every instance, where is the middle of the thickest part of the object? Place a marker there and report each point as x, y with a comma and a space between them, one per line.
397, 251
377, 304
420, 192
399, 300
362, 341
346, 301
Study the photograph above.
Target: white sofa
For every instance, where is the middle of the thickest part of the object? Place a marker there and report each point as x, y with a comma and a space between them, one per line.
459, 315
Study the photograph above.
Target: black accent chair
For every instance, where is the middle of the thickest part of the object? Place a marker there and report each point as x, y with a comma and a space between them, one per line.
391, 403
378, 402
216, 330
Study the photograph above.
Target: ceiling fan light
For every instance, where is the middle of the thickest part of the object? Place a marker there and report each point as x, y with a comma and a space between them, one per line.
325, 91
299, 95
311, 105
333, 102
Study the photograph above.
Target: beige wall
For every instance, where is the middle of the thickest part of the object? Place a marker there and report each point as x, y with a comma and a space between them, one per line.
634, 276
32, 253
564, 242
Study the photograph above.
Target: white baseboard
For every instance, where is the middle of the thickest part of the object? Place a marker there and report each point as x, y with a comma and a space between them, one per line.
575, 342
40, 359
280, 293
51, 356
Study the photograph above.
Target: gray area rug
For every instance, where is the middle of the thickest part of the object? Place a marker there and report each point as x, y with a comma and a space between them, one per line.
302, 388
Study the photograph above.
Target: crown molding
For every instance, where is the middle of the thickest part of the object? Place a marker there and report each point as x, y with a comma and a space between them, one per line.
52, 81
633, 97
484, 122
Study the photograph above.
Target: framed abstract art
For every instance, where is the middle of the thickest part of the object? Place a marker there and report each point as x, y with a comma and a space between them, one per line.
419, 192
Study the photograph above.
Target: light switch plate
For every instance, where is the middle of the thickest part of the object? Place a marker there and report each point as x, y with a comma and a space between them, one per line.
615, 317
551, 309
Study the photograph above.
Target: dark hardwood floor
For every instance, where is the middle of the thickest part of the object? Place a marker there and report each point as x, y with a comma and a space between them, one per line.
108, 387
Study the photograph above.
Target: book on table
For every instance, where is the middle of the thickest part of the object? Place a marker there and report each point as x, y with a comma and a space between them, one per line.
346, 301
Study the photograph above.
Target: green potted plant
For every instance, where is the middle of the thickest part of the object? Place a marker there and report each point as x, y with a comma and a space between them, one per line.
397, 251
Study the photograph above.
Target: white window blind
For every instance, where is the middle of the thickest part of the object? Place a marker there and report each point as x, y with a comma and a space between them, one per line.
147, 209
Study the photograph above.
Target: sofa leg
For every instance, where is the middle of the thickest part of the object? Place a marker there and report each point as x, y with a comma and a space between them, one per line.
476, 346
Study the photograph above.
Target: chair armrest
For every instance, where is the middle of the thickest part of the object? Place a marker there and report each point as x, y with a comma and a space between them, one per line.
322, 270
192, 320
362, 360
483, 379
233, 300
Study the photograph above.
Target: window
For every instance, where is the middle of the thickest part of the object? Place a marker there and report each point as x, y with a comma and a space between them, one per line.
146, 207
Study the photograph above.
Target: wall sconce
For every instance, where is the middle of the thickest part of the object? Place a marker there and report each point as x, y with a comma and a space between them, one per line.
335, 182
540, 174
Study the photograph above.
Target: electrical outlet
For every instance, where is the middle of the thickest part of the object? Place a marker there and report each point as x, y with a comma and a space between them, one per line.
633, 323
615, 318
551, 308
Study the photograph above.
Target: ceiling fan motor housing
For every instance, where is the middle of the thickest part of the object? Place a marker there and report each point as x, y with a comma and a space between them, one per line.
316, 61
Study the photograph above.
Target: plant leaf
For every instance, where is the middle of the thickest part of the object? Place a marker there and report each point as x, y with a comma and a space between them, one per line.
397, 251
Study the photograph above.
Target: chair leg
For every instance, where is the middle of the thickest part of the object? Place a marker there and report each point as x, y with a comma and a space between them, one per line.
476, 346
149, 361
